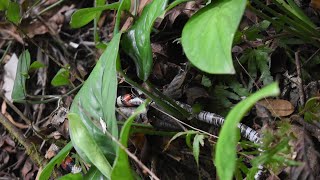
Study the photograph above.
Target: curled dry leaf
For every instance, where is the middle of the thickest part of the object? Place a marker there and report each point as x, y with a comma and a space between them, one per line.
52, 22
277, 107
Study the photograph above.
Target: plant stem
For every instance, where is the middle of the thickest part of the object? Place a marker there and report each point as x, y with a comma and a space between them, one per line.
185, 113
172, 111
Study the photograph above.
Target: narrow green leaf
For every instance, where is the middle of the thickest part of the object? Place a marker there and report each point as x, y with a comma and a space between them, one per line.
70, 176
19, 88
57, 160
4, 4
36, 65
94, 174
207, 37
61, 78
82, 140
96, 99
13, 12
86, 15
124, 5
97, 3
178, 135
121, 167
188, 140
176, 3
225, 157
197, 141
136, 42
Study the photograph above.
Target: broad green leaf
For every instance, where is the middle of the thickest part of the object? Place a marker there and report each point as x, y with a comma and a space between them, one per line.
228, 137
36, 65
4, 4
57, 160
70, 176
61, 78
96, 99
94, 174
197, 141
19, 88
13, 12
121, 167
136, 42
86, 15
207, 37
84, 141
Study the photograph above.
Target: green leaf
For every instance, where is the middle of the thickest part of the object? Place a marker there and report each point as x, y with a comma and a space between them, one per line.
291, 6
205, 81
258, 60
70, 176
96, 99
4, 4
19, 88
228, 137
36, 65
197, 141
207, 37
57, 160
86, 15
61, 78
124, 5
13, 12
136, 42
121, 167
188, 140
94, 174
312, 109
176, 3
84, 141
178, 135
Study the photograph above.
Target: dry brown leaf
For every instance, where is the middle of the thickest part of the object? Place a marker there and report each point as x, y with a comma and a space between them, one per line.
277, 107
52, 22
315, 4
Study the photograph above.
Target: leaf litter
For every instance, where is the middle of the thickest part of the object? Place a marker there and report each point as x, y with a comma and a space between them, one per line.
256, 48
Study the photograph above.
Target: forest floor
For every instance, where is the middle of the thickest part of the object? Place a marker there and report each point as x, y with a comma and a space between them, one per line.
33, 131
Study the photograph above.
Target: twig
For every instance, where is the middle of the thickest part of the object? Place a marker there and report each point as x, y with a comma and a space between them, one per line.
23, 117
9, 117
300, 82
17, 134
133, 157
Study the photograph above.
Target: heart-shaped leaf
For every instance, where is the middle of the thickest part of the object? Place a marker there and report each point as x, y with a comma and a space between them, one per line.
207, 37
84, 141
61, 78
95, 100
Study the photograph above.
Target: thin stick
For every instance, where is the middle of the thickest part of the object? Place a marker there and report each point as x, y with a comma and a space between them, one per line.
133, 157
300, 82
